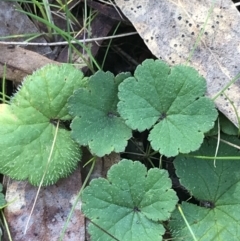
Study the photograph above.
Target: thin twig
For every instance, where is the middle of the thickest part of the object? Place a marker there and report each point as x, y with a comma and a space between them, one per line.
65, 42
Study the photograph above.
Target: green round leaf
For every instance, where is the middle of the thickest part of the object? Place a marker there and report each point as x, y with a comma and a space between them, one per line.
216, 188
171, 102
97, 123
27, 127
130, 203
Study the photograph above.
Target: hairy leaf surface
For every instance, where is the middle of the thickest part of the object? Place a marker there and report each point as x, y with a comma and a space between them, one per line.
28, 126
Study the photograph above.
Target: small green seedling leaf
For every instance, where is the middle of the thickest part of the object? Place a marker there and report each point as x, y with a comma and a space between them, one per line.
171, 102
27, 127
217, 189
130, 204
226, 126
97, 123
2, 198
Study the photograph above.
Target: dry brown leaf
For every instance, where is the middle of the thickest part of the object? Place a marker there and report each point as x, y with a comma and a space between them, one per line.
100, 27
170, 29
14, 23
20, 62
50, 213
